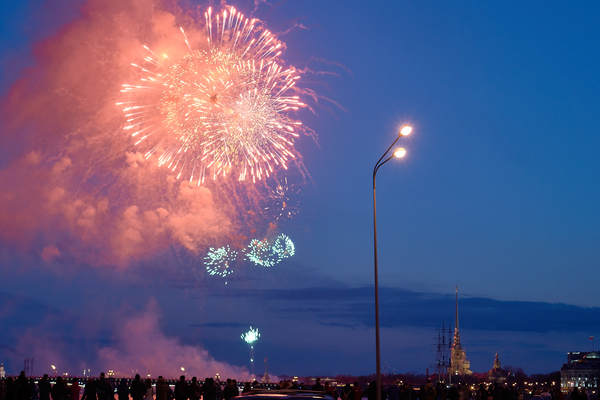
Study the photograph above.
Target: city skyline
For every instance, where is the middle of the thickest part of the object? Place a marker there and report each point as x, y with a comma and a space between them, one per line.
497, 193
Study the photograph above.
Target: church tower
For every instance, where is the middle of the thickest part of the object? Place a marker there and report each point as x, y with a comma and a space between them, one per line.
459, 365
497, 362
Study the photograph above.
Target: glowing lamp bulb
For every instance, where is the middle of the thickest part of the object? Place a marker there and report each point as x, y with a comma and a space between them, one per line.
400, 152
406, 130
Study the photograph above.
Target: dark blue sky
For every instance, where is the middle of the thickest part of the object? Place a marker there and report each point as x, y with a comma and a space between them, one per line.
498, 193
499, 189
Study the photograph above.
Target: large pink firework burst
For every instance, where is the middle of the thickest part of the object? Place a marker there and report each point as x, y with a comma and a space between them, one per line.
225, 109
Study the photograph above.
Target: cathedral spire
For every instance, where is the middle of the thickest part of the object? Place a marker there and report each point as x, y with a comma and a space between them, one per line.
456, 308
459, 364
456, 329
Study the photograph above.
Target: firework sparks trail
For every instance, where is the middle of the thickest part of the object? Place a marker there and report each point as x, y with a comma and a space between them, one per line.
282, 202
219, 262
219, 110
251, 336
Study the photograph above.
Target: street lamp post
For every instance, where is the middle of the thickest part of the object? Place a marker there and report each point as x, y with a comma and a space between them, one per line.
400, 152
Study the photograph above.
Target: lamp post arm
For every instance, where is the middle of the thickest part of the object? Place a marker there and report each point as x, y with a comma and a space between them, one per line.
384, 161
386, 152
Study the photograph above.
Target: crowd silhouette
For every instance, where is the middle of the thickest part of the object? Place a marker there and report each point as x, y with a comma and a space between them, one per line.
103, 388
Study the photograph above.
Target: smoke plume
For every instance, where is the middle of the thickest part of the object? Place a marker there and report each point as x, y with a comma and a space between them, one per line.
72, 184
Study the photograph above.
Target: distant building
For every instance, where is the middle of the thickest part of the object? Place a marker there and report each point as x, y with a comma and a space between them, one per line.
266, 378
581, 371
2, 371
459, 365
497, 374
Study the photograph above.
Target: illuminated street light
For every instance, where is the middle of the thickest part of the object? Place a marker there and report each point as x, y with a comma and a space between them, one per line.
406, 130
399, 153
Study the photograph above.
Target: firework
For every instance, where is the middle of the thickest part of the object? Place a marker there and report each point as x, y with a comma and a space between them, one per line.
251, 336
266, 253
283, 201
283, 247
223, 108
260, 253
219, 262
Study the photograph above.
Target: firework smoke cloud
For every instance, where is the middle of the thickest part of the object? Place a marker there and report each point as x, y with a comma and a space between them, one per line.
141, 130
142, 127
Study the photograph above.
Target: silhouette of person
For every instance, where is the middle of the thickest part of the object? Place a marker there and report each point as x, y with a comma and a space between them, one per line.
104, 389
356, 391
138, 389
34, 390
209, 389
44, 387
75, 389
90, 391
231, 390
163, 391
149, 393
194, 389
372, 391
2, 389
22, 388
123, 390
181, 389
59, 390
10, 389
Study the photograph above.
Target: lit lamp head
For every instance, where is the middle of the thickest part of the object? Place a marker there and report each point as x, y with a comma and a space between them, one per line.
406, 130
400, 152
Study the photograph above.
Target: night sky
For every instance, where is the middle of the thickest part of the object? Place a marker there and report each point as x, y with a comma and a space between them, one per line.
498, 194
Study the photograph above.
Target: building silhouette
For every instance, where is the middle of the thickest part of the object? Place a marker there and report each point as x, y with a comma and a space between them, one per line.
582, 371
497, 374
459, 365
